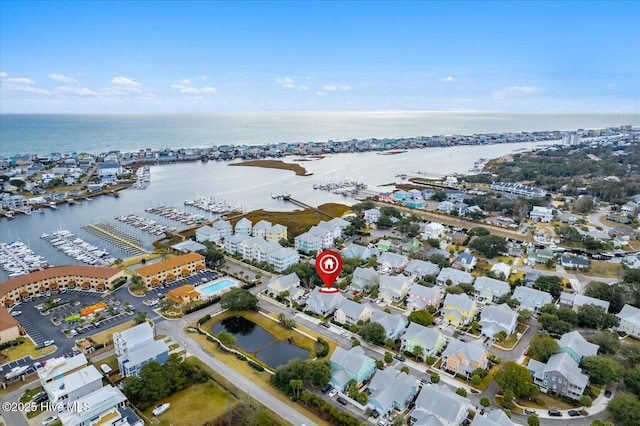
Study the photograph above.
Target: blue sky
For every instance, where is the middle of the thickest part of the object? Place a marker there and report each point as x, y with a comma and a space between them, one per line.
111, 57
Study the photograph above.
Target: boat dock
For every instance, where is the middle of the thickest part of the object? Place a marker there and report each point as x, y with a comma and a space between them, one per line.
118, 238
211, 205
77, 248
177, 215
147, 225
288, 197
16, 258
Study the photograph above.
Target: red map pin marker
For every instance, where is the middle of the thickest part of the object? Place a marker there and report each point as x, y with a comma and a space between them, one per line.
328, 266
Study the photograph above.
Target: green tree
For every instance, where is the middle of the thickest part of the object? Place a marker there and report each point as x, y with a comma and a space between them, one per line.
607, 340
238, 299
603, 291
632, 379
551, 284
595, 316
462, 392
586, 401
388, 357
433, 242
507, 398
227, 339
625, 408
435, 378
140, 317
517, 379
297, 385
500, 335
533, 420
602, 369
490, 245
542, 347
421, 317
631, 353
373, 333
418, 351
478, 231
384, 222
440, 259
475, 379
485, 402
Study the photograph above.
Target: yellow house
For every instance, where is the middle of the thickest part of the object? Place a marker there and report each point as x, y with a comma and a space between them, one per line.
276, 233
459, 309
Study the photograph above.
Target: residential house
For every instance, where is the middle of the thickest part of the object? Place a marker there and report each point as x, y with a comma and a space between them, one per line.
188, 246
531, 298
560, 375
497, 318
437, 405
577, 346
243, 227
105, 406
350, 364
282, 258
501, 269
325, 235
130, 364
391, 262
372, 216
335, 225
494, 418
629, 318
391, 389
132, 338
276, 233
350, 312
430, 339
445, 207
490, 288
574, 262
394, 324
409, 246
364, 279
56, 368
413, 203
419, 268
323, 304
541, 255
205, 233
260, 228
458, 309
541, 214
450, 276
356, 251
420, 297
74, 386
575, 301
432, 230
465, 262
464, 357
285, 283
9, 326
308, 243
530, 278
400, 195
394, 288
384, 245
183, 295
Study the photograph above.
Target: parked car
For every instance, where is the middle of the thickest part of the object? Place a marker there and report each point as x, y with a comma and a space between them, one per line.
333, 393
554, 413
48, 343
49, 420
607, 394
105, 368
37, 365
342, 401
326, 388
527, 411
573, 413
424, 382
16, 313
326, 325
375, 414
57, 300
400, 358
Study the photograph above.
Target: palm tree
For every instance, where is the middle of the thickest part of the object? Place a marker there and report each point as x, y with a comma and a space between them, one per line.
296, 385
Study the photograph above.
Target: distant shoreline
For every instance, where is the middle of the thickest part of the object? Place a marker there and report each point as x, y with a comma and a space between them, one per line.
275, 164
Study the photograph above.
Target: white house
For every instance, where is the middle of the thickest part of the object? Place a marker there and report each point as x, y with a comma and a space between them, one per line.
372, 215
541, 214
394, 262
289, 283
629, 318
497, 318
433, 230
243, 226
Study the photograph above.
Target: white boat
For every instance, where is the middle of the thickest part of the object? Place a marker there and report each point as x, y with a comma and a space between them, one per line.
160, 409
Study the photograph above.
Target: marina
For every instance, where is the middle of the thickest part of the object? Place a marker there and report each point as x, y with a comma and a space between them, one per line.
177, 215
343, 187
142, 177
124, 241
212, 205
16, 258
75, 247
148, 225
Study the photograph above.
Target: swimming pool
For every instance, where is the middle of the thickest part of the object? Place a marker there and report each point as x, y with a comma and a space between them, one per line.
215, 286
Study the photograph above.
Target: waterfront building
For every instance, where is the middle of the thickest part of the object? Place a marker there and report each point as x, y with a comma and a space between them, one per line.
282, 258
243, 227
170, 269
276, 233
260, 228
40, 283
307, 243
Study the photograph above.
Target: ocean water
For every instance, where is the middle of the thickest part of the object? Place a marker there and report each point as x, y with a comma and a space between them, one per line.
42, 134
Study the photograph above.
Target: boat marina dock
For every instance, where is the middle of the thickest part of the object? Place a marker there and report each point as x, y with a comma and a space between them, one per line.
16, 258
75, 247
118, 238
148, 225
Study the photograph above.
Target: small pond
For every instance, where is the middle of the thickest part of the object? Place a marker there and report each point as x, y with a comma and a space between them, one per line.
252, 338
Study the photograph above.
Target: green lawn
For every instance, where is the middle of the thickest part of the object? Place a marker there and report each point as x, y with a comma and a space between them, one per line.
187, 405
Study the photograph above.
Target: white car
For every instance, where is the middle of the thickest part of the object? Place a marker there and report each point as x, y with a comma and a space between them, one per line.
333, 393
105, 368
49, 420
48, 342
16, 313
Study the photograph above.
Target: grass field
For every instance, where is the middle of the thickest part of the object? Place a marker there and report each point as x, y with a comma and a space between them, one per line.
299, 221
605, 269
275, 164
188, 406
25, 349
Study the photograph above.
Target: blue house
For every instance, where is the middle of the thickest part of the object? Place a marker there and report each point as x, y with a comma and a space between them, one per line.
416, 204
131, 363
348, 365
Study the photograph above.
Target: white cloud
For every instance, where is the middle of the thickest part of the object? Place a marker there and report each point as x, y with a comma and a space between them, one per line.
80, 91
209, 90
321, 93
3, 74
184, 86
515, 91
185, 82
190, 91
334, 87
19, 80
290, 84
63, 78
448, 79
127, 84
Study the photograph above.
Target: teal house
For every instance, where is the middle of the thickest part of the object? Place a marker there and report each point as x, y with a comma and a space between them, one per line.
348, 365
